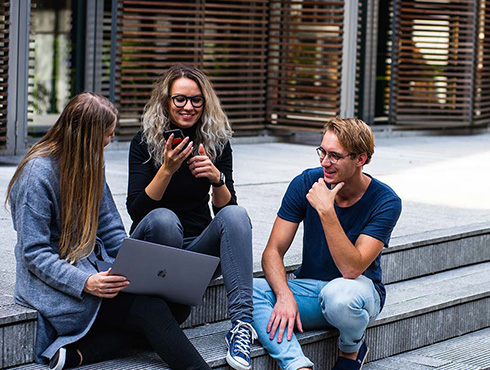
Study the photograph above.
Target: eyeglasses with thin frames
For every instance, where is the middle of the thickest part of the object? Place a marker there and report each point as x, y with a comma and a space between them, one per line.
333, 157
180, 101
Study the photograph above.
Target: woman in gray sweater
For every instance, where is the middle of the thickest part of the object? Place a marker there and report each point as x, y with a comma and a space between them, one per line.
66, 219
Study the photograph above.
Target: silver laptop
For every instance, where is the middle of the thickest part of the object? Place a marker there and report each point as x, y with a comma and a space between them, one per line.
177, 275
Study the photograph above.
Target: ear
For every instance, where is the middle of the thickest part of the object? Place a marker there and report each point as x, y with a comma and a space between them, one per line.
361, 159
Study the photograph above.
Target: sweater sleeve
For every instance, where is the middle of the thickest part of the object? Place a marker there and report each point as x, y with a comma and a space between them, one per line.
37, 246
224, 163
141, 173
110, 227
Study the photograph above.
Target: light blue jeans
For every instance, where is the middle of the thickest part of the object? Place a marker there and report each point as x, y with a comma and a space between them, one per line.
349, 305
228, 236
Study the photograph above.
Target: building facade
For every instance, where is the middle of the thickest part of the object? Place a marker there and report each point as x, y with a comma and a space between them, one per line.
276, 64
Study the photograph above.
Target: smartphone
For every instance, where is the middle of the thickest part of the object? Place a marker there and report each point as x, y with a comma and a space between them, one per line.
178, 136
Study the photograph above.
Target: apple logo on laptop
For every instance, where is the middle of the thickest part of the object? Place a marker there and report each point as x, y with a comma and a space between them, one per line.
162, 273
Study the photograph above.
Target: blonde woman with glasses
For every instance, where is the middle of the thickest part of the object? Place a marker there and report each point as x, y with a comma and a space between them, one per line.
66, 220
181, 155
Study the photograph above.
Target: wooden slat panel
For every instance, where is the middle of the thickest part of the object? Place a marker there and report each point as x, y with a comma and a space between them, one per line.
305, 59
481, 107
4, 60
225, 38
152, 36
106, 49
433, 61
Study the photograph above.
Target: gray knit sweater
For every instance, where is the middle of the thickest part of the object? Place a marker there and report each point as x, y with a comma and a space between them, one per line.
44, 281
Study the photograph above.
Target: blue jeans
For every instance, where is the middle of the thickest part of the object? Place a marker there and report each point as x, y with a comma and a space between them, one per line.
349, 305
228, 236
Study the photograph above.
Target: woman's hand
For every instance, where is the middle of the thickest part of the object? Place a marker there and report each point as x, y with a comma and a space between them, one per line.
201, 166
104, 285
173, 158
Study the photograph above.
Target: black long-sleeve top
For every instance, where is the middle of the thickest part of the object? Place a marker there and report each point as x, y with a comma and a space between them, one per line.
187, 196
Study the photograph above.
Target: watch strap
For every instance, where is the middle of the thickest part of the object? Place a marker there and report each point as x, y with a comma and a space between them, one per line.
221, 181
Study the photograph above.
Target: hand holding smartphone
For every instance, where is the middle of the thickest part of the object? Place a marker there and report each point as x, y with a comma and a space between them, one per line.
178, 136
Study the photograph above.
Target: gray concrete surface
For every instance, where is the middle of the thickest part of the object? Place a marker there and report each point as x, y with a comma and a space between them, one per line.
468, 352
442, 180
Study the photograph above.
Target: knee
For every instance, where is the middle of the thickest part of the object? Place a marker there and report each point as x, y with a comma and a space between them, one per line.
341, 300
161, 218
160, 226
180, 311
234, 214
337, 296
150, 308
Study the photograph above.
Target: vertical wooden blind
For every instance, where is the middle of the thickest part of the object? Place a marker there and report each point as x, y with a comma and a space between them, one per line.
228, 39
481, 110
235, 56
305, 60
4, 59
106, 48
360, 67
433, 61
152, 35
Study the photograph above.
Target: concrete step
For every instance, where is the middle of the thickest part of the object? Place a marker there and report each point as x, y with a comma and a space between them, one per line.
466, 352
407, 258
418, 313
17, 333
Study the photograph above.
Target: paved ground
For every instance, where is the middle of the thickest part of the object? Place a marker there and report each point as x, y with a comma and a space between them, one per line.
442, 180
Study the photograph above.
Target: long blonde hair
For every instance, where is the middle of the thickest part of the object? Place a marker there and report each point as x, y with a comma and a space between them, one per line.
76, 142
213, 129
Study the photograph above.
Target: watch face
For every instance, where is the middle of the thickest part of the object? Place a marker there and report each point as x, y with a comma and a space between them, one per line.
221, 180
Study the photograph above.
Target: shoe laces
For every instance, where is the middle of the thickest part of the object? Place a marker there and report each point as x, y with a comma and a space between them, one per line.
241, 333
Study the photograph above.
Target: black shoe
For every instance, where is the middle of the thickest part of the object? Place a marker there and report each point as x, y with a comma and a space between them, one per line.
362, 355
57, 362
357, 364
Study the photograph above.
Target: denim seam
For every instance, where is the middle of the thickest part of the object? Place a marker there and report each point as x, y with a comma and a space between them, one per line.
240, 293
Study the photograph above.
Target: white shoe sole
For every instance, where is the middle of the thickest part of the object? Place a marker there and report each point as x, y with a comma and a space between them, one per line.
235, 364
61, 360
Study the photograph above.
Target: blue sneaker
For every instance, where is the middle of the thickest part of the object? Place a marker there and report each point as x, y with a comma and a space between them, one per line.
239, 339
357, 364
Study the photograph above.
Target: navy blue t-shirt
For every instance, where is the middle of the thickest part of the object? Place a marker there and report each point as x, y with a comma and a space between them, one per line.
375, 214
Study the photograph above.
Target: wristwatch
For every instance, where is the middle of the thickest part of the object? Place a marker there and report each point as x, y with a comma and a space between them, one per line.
221, 181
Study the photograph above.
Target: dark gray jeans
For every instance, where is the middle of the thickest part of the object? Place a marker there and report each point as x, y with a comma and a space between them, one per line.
228, 236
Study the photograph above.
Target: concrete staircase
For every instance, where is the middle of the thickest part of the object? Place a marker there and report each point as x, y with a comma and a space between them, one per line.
467, 352
438, 287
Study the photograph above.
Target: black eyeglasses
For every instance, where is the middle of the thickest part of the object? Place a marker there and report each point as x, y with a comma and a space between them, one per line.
180, 101
332, 156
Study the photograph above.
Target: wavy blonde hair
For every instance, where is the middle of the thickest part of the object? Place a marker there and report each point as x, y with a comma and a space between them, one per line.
76, 142
213, 129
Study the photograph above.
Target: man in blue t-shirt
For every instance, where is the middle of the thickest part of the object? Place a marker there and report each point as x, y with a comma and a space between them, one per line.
348, 217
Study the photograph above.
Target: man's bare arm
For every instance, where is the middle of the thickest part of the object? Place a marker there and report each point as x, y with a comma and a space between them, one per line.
285, 313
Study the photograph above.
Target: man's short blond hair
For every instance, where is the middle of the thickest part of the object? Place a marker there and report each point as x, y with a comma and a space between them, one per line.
353, 134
